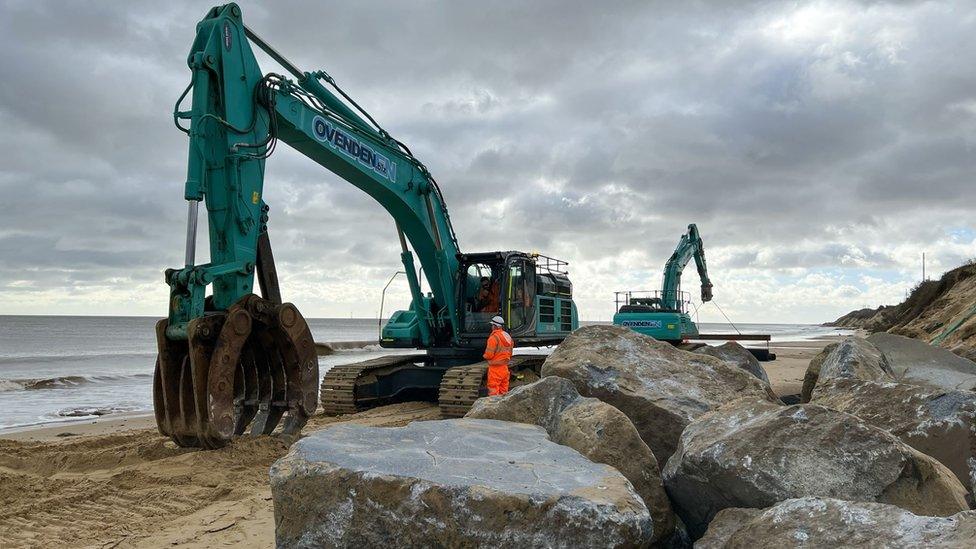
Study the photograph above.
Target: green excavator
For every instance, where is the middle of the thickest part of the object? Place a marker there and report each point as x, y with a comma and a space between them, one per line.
233, 362
664, 314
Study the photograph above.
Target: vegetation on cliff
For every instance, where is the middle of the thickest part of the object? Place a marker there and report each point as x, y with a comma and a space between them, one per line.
941, 312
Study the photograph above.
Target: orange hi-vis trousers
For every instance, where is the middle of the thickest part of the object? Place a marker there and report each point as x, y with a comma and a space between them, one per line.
498, 380
498, 353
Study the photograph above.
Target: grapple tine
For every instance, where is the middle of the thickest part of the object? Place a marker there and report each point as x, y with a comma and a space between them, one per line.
202, 332
274, 405
294, 376
246, 389
264, 423
300, 367
159, 403
223, 369
301, 360
166, 384
188, 415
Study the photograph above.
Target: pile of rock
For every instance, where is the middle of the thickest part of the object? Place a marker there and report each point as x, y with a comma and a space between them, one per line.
740, 448
755, 454
592, 427
660, 388
910, 390
869, 457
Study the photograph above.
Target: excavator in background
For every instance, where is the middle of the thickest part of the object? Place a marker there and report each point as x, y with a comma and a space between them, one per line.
663, 314
233, 362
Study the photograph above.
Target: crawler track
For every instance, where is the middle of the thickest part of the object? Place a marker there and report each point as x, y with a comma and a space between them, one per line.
353, 388
341, 386
462, 385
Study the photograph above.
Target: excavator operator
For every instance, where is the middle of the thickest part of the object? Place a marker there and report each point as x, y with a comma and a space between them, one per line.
498, 353
489, 296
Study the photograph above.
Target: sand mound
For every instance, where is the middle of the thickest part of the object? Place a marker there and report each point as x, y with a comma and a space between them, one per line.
138, 489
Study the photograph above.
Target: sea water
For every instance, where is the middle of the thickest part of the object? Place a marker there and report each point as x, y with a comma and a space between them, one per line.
61, 368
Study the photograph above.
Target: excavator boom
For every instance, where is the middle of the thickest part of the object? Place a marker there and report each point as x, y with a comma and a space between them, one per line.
689, 246
235, 123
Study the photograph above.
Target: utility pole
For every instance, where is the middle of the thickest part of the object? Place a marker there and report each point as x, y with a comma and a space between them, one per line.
923, 266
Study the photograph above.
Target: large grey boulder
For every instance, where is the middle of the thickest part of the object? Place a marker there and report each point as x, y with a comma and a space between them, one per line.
853, 358
738, 356
934, 421
456, 483
595, 429
753, 454
915, 361
660, 388
826, 522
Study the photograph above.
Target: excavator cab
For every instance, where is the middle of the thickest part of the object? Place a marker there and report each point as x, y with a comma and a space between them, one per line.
531, 292
648, 312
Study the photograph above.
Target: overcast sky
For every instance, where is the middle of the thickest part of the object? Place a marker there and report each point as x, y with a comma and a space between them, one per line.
820, 147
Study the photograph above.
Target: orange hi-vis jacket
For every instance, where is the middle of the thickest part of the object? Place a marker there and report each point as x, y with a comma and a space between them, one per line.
498, 351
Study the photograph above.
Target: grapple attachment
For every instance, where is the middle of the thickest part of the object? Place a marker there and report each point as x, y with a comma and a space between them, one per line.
239, 372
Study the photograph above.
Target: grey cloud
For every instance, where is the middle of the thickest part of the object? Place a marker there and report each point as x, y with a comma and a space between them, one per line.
607, 127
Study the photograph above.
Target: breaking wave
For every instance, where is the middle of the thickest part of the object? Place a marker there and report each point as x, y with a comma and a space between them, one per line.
74, 357
63, 382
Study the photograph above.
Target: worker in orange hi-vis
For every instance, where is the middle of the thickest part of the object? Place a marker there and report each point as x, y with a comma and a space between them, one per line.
498, 353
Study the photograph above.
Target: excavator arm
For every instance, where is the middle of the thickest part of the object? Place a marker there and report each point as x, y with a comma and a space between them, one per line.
690, 246
237, 117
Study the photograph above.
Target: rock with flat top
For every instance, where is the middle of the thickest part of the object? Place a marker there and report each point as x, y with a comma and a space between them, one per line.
455, 483
915, 361
852, 358
827, 522
738, 356
937, 422
754, 454
595, 429
660, 388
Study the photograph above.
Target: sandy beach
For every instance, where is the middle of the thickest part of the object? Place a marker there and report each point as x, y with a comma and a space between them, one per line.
115, 482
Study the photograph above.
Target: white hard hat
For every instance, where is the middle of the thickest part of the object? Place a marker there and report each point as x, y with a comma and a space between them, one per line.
497, 320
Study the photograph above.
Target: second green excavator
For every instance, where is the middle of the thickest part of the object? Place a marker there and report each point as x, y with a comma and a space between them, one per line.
232, 362
664, 314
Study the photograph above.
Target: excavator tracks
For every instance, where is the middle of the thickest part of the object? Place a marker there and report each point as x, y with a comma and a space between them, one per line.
245, 370
462, 385
351, 388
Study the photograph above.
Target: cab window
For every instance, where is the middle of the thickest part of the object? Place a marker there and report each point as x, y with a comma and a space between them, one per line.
520, 294
482, 297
